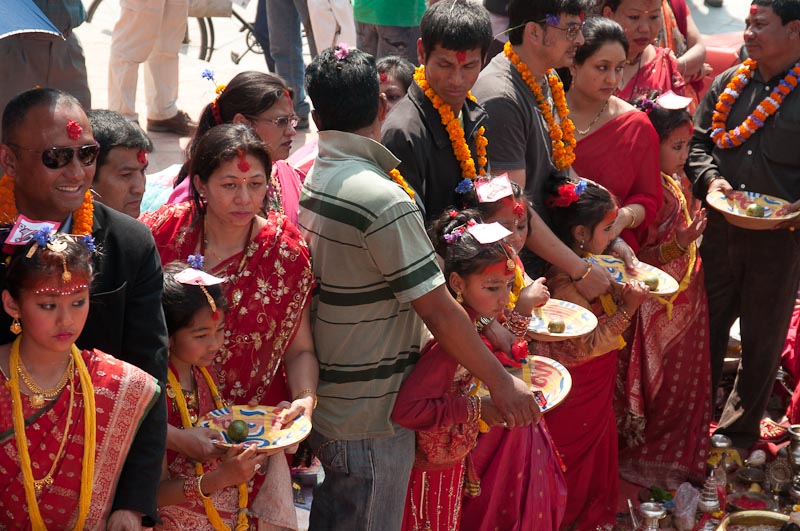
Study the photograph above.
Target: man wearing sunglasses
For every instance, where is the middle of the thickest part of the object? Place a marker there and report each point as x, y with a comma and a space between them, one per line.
544, 34
48, 150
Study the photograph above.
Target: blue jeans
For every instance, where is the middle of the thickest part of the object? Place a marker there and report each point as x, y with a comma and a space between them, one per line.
286, 46
261, 33
365, 482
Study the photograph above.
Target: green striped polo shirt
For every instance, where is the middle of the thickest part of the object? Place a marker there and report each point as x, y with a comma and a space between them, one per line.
371, 259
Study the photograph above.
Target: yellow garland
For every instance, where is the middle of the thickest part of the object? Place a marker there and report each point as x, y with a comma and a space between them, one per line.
183, 409
687, 277
82, 218
89, 439
610, 308
455, 131
562, 136
519, 283
398, 178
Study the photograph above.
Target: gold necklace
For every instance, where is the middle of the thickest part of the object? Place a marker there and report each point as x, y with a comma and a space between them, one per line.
205, 246
40, 395
584, 131
47, 480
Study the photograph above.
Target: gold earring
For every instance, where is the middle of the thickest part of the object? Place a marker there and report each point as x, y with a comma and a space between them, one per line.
581, 244
459, 298
16, 326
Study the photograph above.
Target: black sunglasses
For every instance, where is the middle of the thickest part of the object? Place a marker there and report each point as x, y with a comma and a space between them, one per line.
57, 157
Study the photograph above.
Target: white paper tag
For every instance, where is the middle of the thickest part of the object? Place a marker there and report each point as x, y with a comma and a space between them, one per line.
488, 232
491, 190
23, 230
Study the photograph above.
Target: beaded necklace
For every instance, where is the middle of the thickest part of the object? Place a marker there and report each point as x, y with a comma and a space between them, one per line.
562, 136
89, 439
183, 409
768, 106
82, 218
455, 131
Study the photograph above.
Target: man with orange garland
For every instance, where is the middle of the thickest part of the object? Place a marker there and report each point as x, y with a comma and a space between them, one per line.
542, 35
49, 155
737, 146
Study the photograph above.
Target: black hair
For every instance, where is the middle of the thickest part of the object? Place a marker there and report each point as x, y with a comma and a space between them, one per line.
222, 144
458, 25
520, 12
588, 209
249, 93
181, 302
490, 209
399, 67
111, 130
464, 255
787, 10
598, 31
23, 273
664, 121
20, 105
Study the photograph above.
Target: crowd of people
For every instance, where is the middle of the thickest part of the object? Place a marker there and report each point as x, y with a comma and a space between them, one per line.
382, 286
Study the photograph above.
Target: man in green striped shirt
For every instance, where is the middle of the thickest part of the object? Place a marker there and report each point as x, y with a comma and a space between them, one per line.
378, 282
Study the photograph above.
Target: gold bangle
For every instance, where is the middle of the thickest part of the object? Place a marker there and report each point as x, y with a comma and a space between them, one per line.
633, 216
624, 314
199, 488
304, 393
584, 275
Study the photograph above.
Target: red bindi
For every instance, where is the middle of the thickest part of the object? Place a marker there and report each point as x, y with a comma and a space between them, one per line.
74, 129
461, 55
753, 9
142, 156
383, 77
243, 164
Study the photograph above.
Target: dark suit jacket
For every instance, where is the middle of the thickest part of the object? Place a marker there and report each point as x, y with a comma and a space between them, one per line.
126, 321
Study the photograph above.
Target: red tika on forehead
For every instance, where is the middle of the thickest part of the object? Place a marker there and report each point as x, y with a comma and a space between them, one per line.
142, 156
753, 9
461, 55
383, 77
243, 164
74, 130
500, 267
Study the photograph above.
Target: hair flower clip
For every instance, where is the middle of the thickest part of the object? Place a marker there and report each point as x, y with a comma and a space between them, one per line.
552, 20
88, 241
567, 194
342, 51
464, 186
42, 237
196, 261
208, 74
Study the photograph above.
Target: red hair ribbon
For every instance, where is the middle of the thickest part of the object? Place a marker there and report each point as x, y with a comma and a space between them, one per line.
74, 129
243, 164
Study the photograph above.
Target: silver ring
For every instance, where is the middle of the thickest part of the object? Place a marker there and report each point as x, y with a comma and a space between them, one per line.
256, 467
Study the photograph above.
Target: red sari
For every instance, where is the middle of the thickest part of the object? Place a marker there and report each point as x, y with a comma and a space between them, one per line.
622, 155
660, 75
191, 515
433, 399
123, 395
664, 404
265, 298
583, 425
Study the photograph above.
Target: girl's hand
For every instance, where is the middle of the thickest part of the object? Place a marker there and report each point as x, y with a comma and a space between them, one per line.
686, 235
633, 295
489, 412
623, 251
533, 296
239, 465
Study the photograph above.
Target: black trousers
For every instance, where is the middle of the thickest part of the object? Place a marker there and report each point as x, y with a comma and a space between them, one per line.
752, 275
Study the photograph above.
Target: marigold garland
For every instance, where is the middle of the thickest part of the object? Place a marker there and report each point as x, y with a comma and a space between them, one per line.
89, 439
180, 401
398, 178
82, 218
768, 106
455, 131
562, 136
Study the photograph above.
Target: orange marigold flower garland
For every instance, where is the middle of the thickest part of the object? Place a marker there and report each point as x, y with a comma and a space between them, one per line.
768, 106
562, 136
82, 218
455, 131
398, 178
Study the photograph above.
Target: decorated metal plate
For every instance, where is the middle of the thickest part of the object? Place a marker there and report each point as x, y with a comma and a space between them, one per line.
578, 321
735, 210
547, 376
264, 429
616, 268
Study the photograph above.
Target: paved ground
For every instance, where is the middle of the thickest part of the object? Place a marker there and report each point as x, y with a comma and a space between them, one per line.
196, 92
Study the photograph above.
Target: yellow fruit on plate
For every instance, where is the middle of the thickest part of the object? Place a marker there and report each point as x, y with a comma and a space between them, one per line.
754, 210
556, 326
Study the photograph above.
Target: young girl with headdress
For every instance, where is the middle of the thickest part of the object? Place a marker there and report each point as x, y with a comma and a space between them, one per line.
212, 495
435, 399
583, 425
67, 417
663, 432
521, 484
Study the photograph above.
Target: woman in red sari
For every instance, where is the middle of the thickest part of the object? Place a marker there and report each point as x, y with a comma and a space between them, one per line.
67, 418
665, 402
647, 68
583, 425
617, 145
